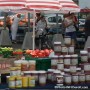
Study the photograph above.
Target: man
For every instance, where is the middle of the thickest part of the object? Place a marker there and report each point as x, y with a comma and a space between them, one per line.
14, 27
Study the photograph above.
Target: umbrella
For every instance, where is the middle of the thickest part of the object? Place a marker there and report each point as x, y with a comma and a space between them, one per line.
12, 4
51, 5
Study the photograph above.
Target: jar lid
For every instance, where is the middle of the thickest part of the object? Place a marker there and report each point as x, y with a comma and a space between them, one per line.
67, 56
56, 71
42, 71
32, 61
34, 72
57, 42
27, 72
88, 47
50, 70
59, 76
18, 62
74, 55
67, 70
54, 56
62, 73
78, 68
67, 75
24, 62
83, 52
6, 76
82, 74
61, 56
67, 37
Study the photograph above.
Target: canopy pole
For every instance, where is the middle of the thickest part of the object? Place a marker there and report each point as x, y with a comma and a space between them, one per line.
34, 13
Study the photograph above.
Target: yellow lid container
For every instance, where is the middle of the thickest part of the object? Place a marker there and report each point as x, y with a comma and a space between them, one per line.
24, 81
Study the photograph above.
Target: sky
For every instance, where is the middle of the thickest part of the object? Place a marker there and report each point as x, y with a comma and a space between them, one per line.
84, 3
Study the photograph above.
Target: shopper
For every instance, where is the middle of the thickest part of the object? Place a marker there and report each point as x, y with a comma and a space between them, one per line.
40, 28
14, 27
8, 24
70, 29
87, 27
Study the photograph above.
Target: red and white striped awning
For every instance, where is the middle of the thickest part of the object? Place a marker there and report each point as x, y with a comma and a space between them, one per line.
43, 4
69, 6
12, 4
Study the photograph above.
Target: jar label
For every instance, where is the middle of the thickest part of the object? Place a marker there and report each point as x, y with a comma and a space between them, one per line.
18, 82
42, 79
67, 61
36, 77
86, 67
75, 78
72, 69
64, 49
84, 58
87, 77
60, 66
67, 79
57, 48
71, 50
68, 41
18, 72
49, 76
54, 62
60, 80
11, 83
81, 78
60, 60
74, 61
32, 82
13, 73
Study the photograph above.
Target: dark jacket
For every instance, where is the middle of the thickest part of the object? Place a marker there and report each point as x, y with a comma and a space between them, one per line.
87, 27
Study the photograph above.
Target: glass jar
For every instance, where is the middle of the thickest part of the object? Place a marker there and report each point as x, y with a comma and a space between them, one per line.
74, 59
86, 67
54, 61
73, 69
24, 65
49, 74
57, 47
60, 59
71, 50
13, 71
88, 49
31, 81
64, 50
67, 40
32, 65
84, 56
75, 78
12, 82
82, 78
87, 76
35, 74
67, 61
18, 82
42, 78
60, 66
25, 81
67, 79
59, 80
17, 63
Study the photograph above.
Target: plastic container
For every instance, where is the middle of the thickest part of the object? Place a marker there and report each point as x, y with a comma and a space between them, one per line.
74, 59
18, 82
67, 61
67, 40
60, 59
32, 65
25, 82
57, 47
31, 81
73, 69
64, 50
54, 61
71, 50
82, 78
59, 80
42, 78
60, 66
12, 82
67, 80
84, 56
24, 65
